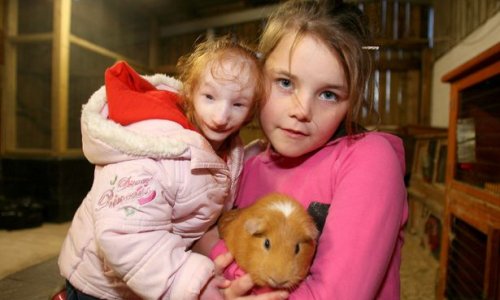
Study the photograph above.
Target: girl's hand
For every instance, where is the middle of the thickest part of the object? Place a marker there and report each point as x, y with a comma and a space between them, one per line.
220, 288
213, 290
239, 287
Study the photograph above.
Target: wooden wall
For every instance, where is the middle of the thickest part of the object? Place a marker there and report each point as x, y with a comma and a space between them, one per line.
455, 19
403, 61
402, 30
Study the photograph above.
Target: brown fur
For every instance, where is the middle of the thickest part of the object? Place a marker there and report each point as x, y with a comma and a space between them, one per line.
279, 265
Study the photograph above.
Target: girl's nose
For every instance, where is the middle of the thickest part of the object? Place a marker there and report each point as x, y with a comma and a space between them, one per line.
301, 107
221, 116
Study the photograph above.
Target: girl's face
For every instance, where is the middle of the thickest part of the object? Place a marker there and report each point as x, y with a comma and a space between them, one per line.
222, 103
307, 98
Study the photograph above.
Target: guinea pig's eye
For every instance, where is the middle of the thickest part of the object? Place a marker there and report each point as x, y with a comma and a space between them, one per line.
297, 248
267, 244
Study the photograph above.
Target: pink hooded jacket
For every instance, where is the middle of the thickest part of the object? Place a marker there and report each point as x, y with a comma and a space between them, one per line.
157, 188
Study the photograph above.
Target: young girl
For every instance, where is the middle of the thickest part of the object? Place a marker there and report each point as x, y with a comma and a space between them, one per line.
161, 177
350, 180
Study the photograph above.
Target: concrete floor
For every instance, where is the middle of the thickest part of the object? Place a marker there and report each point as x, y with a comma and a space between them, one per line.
28, 265
28, 262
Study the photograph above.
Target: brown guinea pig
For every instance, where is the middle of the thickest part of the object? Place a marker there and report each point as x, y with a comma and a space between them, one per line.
273, 240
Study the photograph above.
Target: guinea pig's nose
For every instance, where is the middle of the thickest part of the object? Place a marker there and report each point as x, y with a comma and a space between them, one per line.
277, 284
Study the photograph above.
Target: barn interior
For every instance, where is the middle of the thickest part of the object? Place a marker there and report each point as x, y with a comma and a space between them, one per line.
437, 72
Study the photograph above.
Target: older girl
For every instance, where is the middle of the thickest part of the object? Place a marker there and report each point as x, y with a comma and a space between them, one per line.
351, 180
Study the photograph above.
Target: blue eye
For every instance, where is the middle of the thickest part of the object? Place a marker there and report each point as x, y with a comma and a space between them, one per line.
329, 96
285, 83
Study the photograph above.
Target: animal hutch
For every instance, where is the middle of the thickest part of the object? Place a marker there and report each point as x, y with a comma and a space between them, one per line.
426, 188
470, 256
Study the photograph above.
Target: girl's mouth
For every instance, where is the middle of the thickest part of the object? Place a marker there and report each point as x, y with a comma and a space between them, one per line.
293, 133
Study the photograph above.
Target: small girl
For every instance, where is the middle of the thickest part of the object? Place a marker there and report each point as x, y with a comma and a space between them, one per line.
351, 180
165, 166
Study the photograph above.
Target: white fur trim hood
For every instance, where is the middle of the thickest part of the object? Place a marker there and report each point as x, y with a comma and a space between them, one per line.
105, 141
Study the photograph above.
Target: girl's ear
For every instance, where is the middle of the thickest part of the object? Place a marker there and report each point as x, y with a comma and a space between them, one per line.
254, 226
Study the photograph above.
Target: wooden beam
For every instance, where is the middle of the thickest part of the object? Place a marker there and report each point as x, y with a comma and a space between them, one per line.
166, 69
154, 43
492, 273
30, 38
426, 87
8, 126
424, 2
406, 43
39, 152
60, 75
397, 64
218, 21
104, 52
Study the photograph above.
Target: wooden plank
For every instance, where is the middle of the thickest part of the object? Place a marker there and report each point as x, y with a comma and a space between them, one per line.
402, 29
382, 95
9, 124
492, 8
443, 258
2, 37
485, 58
412, 96
372, 11
398, 64
105, 52
480, 12
31, 38
426, 87
492, 277
40, 152
473, 209
253, 14
415, 17
60, 75
442, 26
389, 19
166, 69
154, 43
395, 98
463, 21
474, 18
406, 43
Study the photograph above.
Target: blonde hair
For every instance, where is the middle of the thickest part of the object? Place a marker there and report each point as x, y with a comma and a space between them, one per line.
344, 29
213, 53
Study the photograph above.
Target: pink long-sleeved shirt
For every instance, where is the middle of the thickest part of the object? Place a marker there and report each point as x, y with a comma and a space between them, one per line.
359, 249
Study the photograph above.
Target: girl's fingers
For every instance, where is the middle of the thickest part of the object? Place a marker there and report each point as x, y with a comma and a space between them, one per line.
222, 261
241, 286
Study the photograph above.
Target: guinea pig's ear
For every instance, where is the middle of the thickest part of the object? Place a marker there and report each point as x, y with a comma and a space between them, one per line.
225, 220
228, 216
254, 226
312, 231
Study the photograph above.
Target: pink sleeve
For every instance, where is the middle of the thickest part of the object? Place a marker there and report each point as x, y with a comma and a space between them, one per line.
219, 249
233, 271
358, 255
